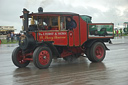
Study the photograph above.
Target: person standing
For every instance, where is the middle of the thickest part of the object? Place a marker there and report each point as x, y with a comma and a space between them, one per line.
117, 32
120, 31
18, 37
12, 36
8, 36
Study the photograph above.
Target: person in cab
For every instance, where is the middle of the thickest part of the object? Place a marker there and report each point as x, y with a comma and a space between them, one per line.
70, 23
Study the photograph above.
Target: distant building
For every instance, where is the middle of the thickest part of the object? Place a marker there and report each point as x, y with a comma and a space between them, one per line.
6, 29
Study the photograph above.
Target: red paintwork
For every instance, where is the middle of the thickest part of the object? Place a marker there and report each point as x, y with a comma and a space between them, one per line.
100, 23
20, 57
71, 51
59, 37
73, 39
28, 54
71, 36
29, 59
0, 41
83, 31
76, 32
55, 28
99, 52
34, 35
44, 57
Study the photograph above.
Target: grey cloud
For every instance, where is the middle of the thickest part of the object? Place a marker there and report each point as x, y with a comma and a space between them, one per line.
10, 10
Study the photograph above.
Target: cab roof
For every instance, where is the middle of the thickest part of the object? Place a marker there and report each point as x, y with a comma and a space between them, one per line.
57, 13
52, 14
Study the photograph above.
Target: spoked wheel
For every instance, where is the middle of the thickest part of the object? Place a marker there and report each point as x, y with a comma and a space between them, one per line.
42, 57
17, 58
97, 52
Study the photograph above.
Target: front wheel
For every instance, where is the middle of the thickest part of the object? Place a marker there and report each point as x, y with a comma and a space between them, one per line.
18, 59
97, 52
42, 57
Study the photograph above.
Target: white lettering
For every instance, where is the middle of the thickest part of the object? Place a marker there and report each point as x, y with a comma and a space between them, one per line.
61, 33
48, 33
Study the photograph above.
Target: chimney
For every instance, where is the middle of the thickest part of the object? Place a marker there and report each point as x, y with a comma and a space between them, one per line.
40, 10
25, 18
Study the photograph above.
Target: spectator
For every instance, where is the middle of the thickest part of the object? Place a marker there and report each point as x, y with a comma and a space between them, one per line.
12, 36
8, 37
120, 31
18, 36
117, 32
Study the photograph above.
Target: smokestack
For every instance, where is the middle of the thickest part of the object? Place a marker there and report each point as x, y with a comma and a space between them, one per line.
25, 22
40, 10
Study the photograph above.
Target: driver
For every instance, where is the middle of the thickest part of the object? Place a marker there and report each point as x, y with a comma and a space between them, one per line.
70, 23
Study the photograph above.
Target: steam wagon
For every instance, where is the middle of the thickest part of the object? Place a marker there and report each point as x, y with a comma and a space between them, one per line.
49, 35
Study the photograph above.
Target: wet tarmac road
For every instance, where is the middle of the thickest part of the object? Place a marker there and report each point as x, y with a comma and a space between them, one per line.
112, 71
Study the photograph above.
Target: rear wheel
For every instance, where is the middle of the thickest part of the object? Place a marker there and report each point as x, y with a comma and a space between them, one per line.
97, 52
18, 59
42, 57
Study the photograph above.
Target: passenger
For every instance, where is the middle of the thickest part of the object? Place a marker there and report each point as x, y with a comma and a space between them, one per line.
41, 26
70, 23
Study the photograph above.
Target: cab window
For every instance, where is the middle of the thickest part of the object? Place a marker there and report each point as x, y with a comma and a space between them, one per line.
46, 21
54, 21
62, 23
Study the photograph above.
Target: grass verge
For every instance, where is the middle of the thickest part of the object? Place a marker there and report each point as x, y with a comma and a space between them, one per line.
4, 41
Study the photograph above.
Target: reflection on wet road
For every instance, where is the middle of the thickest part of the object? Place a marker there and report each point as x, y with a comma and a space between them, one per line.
112, 71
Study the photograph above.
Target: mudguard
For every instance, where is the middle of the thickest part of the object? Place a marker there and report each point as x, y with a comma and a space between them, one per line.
49, 44
88, 44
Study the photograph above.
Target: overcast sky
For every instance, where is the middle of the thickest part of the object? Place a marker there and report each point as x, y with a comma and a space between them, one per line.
115, 11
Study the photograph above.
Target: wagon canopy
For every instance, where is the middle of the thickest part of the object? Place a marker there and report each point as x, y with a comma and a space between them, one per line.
86, 18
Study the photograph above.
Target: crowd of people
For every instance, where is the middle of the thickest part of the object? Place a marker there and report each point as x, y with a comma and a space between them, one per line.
11, 37
118, 32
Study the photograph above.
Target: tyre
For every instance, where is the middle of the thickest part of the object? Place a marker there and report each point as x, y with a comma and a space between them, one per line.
42, 57
17, 58
88, 54
97, 52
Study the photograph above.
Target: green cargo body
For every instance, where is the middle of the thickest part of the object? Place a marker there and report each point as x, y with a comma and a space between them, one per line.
100, 30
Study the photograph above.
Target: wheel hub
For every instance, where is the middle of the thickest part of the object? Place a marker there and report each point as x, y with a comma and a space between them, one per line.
44, 57
20, 57
99, 52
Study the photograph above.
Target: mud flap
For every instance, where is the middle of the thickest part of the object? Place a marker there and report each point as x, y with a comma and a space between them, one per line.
106, 47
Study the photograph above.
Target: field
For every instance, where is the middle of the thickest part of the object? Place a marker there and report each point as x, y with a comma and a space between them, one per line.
4, 41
